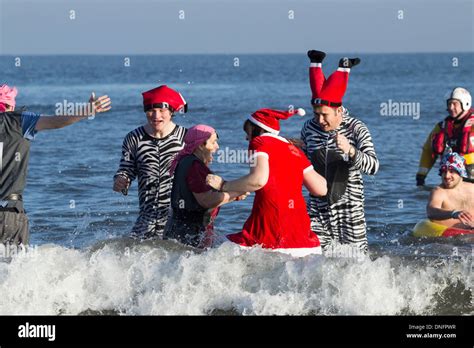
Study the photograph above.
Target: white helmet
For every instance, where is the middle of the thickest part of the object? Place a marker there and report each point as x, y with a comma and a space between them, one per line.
463, 96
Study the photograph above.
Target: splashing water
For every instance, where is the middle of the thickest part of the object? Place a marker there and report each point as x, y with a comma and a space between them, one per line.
163, 278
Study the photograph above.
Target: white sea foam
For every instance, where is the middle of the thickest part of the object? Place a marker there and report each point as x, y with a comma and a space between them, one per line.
148, 279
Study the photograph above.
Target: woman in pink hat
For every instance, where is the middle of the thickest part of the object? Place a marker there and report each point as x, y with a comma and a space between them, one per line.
194, 203
279, 219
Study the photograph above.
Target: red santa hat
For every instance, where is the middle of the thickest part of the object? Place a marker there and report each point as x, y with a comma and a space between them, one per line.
331, 91
163, 97
269, 119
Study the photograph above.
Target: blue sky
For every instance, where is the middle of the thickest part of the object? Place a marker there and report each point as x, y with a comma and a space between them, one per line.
224, 26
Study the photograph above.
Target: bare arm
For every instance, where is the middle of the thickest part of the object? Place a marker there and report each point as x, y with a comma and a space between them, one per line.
213, 199
435, 202
254, 181
435, 211
99, 105
315, 183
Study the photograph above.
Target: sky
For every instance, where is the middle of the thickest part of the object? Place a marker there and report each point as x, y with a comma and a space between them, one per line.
227, 27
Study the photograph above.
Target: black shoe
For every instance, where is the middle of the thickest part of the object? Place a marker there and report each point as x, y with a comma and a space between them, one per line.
316, 56
348, 62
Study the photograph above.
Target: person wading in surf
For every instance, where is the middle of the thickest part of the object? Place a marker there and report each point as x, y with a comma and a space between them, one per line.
454, 134
147, 153
194, 203
17, 129
279, 218
341, 150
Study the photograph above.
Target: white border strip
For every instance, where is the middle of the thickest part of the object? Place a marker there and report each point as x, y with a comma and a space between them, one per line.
307, 169
276, 137
264, 126
344, 69
259, 153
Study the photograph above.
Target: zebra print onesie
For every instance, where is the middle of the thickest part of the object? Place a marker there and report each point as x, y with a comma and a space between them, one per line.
344, 220
149, 159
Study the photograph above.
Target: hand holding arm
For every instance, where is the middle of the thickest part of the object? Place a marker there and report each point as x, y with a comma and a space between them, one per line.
213, 199
255, 180
435, 211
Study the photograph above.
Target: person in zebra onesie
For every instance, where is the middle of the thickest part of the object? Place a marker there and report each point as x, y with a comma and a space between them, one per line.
147, 153
341, 149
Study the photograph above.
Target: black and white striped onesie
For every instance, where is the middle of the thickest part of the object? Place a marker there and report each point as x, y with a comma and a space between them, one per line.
344, 220
149, 159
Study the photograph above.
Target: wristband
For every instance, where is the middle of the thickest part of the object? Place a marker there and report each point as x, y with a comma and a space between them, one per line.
222, 185
455, 214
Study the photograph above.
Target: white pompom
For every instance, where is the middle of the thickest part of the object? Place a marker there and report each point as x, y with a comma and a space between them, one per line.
300, 112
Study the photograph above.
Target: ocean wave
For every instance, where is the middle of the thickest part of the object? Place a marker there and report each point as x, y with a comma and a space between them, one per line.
125, 277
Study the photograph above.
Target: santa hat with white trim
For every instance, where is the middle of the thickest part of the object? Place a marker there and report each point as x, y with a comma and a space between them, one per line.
332, 90
329, 91
269, 119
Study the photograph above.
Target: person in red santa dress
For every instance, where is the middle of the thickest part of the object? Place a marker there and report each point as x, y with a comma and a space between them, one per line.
278, 170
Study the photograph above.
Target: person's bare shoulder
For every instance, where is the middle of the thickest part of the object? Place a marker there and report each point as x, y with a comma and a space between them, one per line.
438, 193
470, 187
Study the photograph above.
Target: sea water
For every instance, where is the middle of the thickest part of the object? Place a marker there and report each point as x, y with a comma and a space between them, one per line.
83, 262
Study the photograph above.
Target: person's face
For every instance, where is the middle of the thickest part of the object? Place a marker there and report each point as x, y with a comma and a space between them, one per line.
451, 178
328, 118
454, 107
9, 108
209, 148
158, 118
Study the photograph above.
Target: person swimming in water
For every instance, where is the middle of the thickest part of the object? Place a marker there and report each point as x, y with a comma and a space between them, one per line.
451, 203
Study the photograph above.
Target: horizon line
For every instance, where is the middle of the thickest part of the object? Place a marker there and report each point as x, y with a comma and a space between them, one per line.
222, 54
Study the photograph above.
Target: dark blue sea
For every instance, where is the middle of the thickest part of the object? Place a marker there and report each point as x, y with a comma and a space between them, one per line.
83, 262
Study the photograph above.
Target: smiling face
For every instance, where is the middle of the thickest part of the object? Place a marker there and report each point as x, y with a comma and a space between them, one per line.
451, 178
454, 107
158, 119
206, 150
328, 118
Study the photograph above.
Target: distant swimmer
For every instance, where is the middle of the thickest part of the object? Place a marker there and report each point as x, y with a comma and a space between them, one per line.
454, 134
279, 218
341, 149
147, 153
452, 202
194, 203
17, 129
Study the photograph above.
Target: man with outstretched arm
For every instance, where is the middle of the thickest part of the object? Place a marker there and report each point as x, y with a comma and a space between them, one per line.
17, 129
